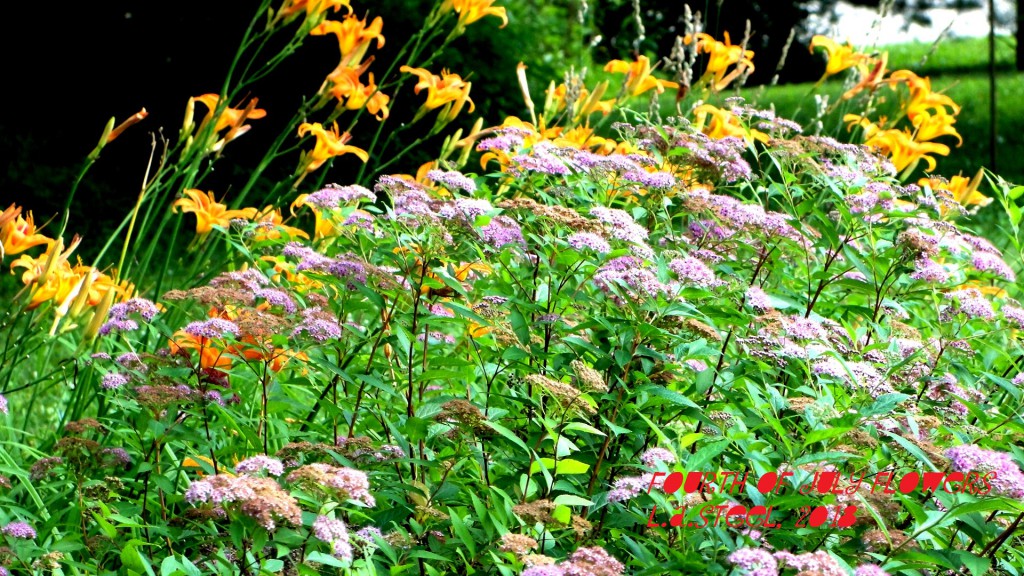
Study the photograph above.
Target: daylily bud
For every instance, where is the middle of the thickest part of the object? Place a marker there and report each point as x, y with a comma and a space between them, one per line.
128, 123
188, 125
100, 315
106, 133
51, 261
550, 107
525, 88
83, 296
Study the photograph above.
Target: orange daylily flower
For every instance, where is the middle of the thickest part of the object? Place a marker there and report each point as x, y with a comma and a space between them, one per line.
638, 76
872, 71
723, 55
462, 271
903, 150
354, 36
232, 117
271, 224
329, 143
49, 274
311, 7
470, 11
445, 90
478, 330
208, 211
354, 95
840, 57
209, 355
19, 233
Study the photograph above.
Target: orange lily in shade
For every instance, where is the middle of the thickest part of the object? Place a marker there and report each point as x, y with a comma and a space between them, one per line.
723, 55
903, 150
329, 143
445, 89
18, 233
840, 56
470, 11
354, 36
638, 76
208, 211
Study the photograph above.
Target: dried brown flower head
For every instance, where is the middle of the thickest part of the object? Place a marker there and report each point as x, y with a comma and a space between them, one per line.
589, 378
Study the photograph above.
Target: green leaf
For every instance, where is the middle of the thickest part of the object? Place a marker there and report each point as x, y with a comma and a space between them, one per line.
462, 532
508, 435
564, 466
325, 559
824, 434
703, 456
570, 500
583, 427
977, 565
670, 395
133, 560
562, 514
884, 404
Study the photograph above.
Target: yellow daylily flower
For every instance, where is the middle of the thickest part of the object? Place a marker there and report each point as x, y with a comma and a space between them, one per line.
722, 55
470, 11
930, 126
18, 233
208, 211
354, 36
964, 190
903, 150
583, 137
840, 57
719, 123
329, 143
921, 96
638, 76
